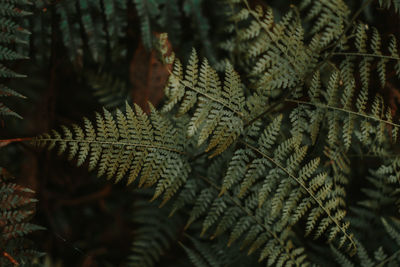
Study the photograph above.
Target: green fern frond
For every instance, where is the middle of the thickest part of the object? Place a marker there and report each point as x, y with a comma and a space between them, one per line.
102, 23
244, 221
147, 9
16, 208
110, 91
392, 230
387, 4
10, 33
169, 15
218, 110
131, 144
210, 254
327, 18
154, 234
290, 189
275, 54
344, 117
367, 55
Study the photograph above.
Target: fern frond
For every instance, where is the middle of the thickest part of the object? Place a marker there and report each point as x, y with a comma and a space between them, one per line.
10, 32
343, 119
243, 220
277, 58
154, 234
101, 22
289, 188
16, 208
203, 253
219, 111
367, 55
328, 19
387, 4
147, 9
130, 145
111, 91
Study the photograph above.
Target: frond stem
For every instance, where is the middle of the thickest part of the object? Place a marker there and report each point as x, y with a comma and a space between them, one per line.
254, 14
320, 105
365, 55
240, 114
336, 44
112, 143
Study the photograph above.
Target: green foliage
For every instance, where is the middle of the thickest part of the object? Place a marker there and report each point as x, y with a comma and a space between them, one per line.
103, 24
110, 91
11, 34
168, 15
204, 254
155, 233
219, 109
16, 208
131, 144
271, 158
390, 4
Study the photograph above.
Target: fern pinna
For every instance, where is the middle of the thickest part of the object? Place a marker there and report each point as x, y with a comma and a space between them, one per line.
262, 155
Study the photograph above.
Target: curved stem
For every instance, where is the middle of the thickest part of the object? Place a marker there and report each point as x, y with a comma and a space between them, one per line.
309, 192
320, 105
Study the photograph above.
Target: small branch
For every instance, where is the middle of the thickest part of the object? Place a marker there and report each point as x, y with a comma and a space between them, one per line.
9, 257
111, 143
309, 192
6, 142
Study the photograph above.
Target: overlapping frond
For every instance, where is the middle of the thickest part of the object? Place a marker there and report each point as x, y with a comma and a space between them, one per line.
266, 190
346, 114
147, 10
154, 234
328, 19
370, 50
275, 55
102, 27
379, 257
11, 33
390, 4
218, 110
110, 91
241, 219
130, 145
289, 188
215, 253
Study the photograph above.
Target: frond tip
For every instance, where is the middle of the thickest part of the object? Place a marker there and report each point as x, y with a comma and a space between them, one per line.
133, 144
219, 112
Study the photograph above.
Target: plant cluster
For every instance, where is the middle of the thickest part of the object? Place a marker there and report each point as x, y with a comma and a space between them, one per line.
278, 134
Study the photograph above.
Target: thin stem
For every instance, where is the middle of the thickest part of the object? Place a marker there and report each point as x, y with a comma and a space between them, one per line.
349, 25
239, 205
310, 193
269, 108
111, 143
365, 55
320, 105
